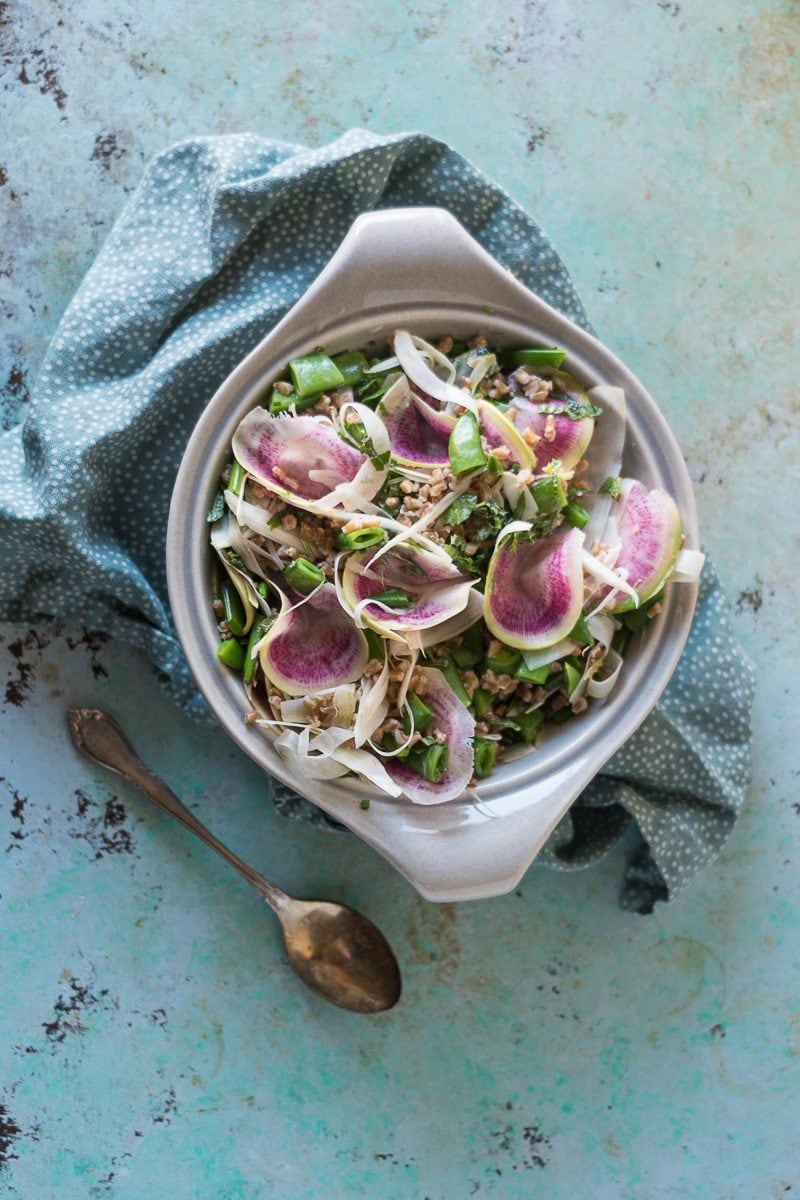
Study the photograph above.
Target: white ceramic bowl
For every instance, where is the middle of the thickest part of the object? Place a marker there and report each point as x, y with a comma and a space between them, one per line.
417, 268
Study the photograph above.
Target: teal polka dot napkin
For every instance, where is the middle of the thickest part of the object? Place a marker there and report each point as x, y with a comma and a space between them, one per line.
221, 237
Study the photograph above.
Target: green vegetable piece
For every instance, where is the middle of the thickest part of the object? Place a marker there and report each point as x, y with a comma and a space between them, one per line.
231, 653
463, 657
351, 365
481, 702
364, 803
539, 676
485, 755
581, 633
377, 649
236, 478
361, 539
464, 447
217, 509
303, 576
620, 640
572, 676
611, 487
451, 674
549, 494
538, 357
637, 618
256, 634
232, 607
430, 762
393, 597
278, 403
421, 713
528, 723
559, 717
575, 514
494, 466
315, 373
505, 662
460, 510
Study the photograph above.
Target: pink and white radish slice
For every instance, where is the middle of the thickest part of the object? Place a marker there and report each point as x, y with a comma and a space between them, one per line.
571, 437
303, 460
313, 646
534, 590
436, 587
649, 528
418, 434
452, 719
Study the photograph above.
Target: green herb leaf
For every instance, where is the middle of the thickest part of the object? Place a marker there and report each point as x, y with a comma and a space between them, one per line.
611, 487
460, 509
217, 509
490, 517
575, 410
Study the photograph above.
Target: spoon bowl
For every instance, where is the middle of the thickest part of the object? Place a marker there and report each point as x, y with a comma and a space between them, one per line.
334, 949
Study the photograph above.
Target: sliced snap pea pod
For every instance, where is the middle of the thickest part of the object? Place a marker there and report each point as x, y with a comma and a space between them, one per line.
481, 702
572, 676
303, 576
393, 597
361, 539
539, 357
315, 373
637, 618
232, 607
529, 723
256, 634
538, 676
421, 713
450, 672
464, 446
351, 365
485, 755
377, 648
231, 653
236, 478
581, 633
576, 515
549, 494
463, 657
505, 662
431, 762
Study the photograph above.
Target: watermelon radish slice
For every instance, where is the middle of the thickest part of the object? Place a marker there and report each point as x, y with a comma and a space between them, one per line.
302, 459
649, 527
314, 646
436, 588
534, 590
571, 437
497, 430
458, 726
418, 434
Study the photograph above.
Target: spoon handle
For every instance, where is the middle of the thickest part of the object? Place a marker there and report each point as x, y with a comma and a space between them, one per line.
98, 736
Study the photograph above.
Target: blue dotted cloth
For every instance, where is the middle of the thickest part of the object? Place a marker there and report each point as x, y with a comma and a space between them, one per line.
221, 237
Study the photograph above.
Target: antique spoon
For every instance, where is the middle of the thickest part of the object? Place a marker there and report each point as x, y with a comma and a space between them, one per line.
335, 950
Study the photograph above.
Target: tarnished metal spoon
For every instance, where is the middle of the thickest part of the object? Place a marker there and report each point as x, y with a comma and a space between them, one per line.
338, 952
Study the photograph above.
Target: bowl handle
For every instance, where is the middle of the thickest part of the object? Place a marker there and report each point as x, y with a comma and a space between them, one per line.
377, 267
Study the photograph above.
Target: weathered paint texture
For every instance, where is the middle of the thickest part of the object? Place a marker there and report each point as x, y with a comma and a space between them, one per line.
153, 1041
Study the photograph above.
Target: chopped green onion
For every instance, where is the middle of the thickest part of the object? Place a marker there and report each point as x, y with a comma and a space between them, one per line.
549, 494
232, 607
536, 358
464, 447
505, 662
481, 702
236, 478
393, 597
303, 576
231, 653
431, 762
575, 515
351, 365
419, 711
377, 649
581, 633
451, 674
315, 373
361, 539
485, 754
538, 676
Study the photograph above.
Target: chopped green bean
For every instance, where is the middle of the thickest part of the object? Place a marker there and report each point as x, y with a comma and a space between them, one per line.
576, 515
315, 373
549, 494
303, 576
393, 598
430, 762
232, 607
351, 365
419, 711
231, 653
539, 357
464, 447
485, 755
538, 676
361, 539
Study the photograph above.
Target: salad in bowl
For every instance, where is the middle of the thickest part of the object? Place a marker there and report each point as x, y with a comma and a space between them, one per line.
428, 556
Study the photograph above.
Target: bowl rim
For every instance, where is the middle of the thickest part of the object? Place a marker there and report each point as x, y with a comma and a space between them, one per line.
570, 757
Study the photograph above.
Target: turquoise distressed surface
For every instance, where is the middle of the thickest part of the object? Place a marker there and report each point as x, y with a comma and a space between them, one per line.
548, 1045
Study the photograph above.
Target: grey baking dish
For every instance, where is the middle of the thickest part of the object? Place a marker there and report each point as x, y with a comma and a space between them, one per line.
419, 269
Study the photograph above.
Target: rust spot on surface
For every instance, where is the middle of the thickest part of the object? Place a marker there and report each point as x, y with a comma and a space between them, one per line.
434, 939
103, 830
3, 177
751, 598
106, 149
9, 1132
70, 1008
93, 640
